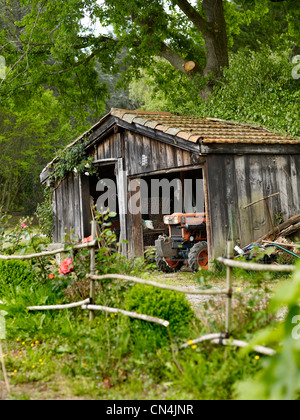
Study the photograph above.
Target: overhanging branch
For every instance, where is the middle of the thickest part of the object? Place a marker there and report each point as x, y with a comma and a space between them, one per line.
178, 62
193, 15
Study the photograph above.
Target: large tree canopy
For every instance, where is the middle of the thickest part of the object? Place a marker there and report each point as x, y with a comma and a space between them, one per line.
46, 42
230, 59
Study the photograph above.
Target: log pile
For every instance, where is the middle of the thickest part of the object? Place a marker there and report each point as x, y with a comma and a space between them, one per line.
279, 238
282, 231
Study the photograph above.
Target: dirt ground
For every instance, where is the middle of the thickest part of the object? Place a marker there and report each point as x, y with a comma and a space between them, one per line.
187, 279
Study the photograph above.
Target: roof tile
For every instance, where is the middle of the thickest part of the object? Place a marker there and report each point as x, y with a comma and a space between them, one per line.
151, 124
128, 117
173, 131
140, 120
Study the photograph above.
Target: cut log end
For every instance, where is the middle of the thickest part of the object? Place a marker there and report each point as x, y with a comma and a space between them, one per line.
189, 66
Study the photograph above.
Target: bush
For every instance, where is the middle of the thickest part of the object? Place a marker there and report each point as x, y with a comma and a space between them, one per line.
44, 214
164, 304
14, 273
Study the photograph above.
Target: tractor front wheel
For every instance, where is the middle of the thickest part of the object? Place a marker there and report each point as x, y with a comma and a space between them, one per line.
198, 256
167, 265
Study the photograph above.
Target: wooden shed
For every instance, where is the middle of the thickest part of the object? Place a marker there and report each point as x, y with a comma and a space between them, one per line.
238, 164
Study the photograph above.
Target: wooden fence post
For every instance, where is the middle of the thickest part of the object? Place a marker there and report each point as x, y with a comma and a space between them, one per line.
4, 369
228, 321
92, 268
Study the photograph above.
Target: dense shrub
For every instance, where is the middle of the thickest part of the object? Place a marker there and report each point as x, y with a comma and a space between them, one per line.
15, 273
164, 304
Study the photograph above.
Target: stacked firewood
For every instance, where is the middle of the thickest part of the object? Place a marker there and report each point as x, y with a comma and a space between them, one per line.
282, 231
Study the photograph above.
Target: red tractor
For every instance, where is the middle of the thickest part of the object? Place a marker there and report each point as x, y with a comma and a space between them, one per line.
186, 242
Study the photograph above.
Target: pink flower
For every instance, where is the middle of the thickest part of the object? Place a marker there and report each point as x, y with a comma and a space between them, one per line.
66, 266
23, 225
88, 239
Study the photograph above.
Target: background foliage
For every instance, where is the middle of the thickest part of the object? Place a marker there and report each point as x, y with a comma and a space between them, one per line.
68, 62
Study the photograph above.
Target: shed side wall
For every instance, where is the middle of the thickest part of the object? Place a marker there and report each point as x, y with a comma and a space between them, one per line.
68, 205
233, 181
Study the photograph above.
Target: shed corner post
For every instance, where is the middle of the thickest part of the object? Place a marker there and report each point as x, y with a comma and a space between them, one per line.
228, 323
211, 254
134, 217
92, 269
122, 199
85, 211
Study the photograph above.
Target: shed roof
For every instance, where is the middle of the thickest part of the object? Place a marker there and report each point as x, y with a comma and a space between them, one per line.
208, 130
193, 129
189, 129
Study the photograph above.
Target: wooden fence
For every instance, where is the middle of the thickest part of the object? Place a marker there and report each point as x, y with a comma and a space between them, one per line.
89, 304
223, 338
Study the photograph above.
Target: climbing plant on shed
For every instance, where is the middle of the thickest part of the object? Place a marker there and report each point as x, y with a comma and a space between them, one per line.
72, 159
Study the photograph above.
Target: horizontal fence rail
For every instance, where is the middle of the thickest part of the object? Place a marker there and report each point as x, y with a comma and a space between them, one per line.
66, 306
91, 244
127, 313
221, 339
256, 267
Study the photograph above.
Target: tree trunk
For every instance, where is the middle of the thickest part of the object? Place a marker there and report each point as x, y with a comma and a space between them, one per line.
216, 42
213, 29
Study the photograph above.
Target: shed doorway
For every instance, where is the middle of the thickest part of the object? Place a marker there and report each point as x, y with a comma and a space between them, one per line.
165, 194
108, 192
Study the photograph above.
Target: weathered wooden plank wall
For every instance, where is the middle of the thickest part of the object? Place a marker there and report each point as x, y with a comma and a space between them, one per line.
160, 156
71, 207
109, 148
233, 181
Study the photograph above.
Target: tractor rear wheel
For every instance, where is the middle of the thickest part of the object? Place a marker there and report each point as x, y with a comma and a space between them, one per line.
198, 256
167, 265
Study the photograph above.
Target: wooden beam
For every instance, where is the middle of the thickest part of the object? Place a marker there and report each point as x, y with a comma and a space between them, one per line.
170, 170
253, 149
122, 199
186, 291
127, 313
136, 217
160, 136
261, 199
104, 162
48, 253
208, 219
283, 244
86, 217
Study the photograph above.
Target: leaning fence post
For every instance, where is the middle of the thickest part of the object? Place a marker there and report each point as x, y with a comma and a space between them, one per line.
92, 268
229, 290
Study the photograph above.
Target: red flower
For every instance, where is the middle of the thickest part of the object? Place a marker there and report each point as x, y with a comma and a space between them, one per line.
24, 225
66, 266
88, 239
51, 276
